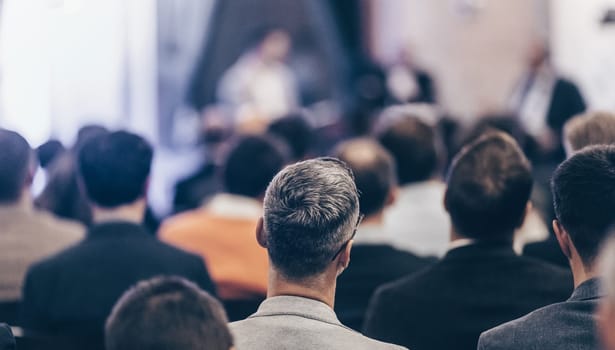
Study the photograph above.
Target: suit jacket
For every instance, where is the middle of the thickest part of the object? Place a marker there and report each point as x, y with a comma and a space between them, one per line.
548, 251
371, 266
72, 293
472, 289
290, 322
7, 341
26, 236
566, 325
566, 102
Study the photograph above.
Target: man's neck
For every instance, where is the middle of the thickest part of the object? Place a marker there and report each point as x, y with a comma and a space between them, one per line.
580, 272
133, 212
321, 288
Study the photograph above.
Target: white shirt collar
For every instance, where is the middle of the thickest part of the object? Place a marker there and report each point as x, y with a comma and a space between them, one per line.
461, 242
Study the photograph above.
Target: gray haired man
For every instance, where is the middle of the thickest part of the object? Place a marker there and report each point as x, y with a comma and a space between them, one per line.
311, 212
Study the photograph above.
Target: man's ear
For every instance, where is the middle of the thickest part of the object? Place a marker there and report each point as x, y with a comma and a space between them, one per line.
260, 234
343, 259
563, 239
391, 196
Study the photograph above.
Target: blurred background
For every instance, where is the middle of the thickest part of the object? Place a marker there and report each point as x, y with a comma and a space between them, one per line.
168, 69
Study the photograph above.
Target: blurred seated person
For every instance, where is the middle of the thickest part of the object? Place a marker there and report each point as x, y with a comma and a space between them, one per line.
584, 215
222, 230
481, 282
295, 130
592, 128
7, 340
71, 293
406, 83
167, 313
374, 261
192, 191
48, 152
544, 101
261, 80
62, 194
311, 214
27, 234
417, 220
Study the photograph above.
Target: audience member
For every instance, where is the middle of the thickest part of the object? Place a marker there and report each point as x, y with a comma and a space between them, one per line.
63, 196
413, 146
28, 235
311, 213
48, 152
481, 282
72, 293
222, 231
605, 315
584, 212
374, 261
167, 313
7, 340
593, 128
296, 132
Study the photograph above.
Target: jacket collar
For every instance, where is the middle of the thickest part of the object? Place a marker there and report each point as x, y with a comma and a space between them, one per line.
297, 306
590, 289
481, 250
116, 229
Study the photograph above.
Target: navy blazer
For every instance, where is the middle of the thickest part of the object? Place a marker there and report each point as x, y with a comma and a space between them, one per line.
73, 292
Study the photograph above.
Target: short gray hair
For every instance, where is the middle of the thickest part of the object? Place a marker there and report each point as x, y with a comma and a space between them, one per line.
311, 209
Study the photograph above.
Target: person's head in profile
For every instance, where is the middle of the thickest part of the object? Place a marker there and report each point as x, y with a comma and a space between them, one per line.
166, 313
488, 189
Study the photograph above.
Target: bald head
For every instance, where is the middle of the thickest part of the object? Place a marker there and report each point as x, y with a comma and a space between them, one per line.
374, 172
16, 165
589, 129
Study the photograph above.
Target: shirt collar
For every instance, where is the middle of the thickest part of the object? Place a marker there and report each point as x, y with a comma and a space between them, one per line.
590, 289
230, 205
373, 234
297, 306
461, 242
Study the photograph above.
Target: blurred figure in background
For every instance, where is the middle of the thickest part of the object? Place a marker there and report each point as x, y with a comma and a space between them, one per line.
295, 130
374, 260
26, 234
222, 230
481, 282
71, 293
406, 83
62, 194
417, 220
584, 215
261, 80
48, 152
167, 313
544, 101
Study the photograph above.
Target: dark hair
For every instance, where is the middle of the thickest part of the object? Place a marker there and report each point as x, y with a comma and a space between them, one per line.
296, 132
114, 168
167, 313
310, 211
49, 151
488, 188
15, 165
373, 169
251, 164
584, 198
87, 133
412, 144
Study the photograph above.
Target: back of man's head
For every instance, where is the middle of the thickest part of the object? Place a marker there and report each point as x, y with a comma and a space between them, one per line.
488, 188
584, 198
594, 128
374, 172
115, 168
251, 164
412, 144
311, 211
167, 313
295, 131
16, 165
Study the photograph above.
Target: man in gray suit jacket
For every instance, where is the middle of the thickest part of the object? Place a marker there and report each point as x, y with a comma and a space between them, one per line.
584, 197
311, 215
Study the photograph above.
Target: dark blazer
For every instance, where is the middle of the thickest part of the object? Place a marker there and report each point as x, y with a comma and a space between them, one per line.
548, 251
370, 267
7, 341
562, 326
72, 293
472, 289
